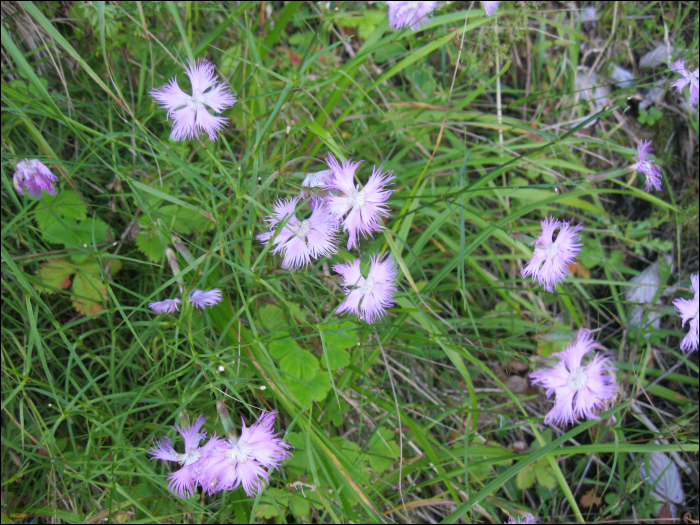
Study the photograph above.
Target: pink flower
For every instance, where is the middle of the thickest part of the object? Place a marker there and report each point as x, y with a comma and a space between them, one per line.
33, 176
686, 78
409, 14
189, 112
166, 306
688, 311
363, 207
201, 299
580, 390
368, 297
184, 481
320, 179
300, 240
246, 460
648, 166
549, 263
491, 8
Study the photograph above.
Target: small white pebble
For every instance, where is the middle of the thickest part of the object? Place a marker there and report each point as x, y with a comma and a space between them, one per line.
114, 243
221, 368
263, 387
84, 245
50, 405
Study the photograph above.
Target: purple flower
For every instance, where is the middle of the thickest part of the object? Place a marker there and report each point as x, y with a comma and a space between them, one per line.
363, 206
184, 481
686, 78
368, 297
409, 14
580, 390
300, 240
491, 8
688, 311
648, 166
247, 460
33, 176
166, 306
549, 263
189, 112
201, 299
320, 179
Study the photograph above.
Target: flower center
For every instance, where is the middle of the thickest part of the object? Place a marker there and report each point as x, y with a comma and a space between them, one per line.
196, 101
302, 229
552, 250
189, 457
578, 379
365, 285
357, 198
240, 454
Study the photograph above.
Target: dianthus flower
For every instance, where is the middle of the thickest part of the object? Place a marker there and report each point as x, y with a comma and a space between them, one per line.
686, 78
646, 164
549, 263
409, 14
246, 460
201, 299
189, 112
491, 8
368, 297
183, 482
300, 240
363, 206
166, 306
688, 311
320, 179
580, 390
33, 176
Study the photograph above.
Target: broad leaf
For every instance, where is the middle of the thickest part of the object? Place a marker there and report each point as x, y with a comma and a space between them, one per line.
305, 391
55, 273
382, 450
66, 204
149, 243
272, 317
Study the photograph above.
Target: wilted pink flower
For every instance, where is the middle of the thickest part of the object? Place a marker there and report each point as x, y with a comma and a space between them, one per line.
491, 8
648, 166
688, 311
580, 390
550, 261
300, 240
368, 297
201, 299
189, 112
166, 306
246, 460
687, 78
184, 481
409, 14
33, 176
363, 207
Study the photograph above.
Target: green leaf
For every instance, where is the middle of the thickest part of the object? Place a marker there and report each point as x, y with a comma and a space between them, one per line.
526, 477
337, 358
544, 475
283, 346
340, 335
89, 291
55, 273
272, 317
382, 450
299, 363
149, 243
305, 391
66, 204
183, 219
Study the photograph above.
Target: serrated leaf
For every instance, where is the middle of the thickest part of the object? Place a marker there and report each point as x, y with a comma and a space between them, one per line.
340, 335
305, 391
382, 450
272, 317
183, 219
299, 363
526, 477
66, 204
72, 234
89, 290
149, 243
544, 475
55, 273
